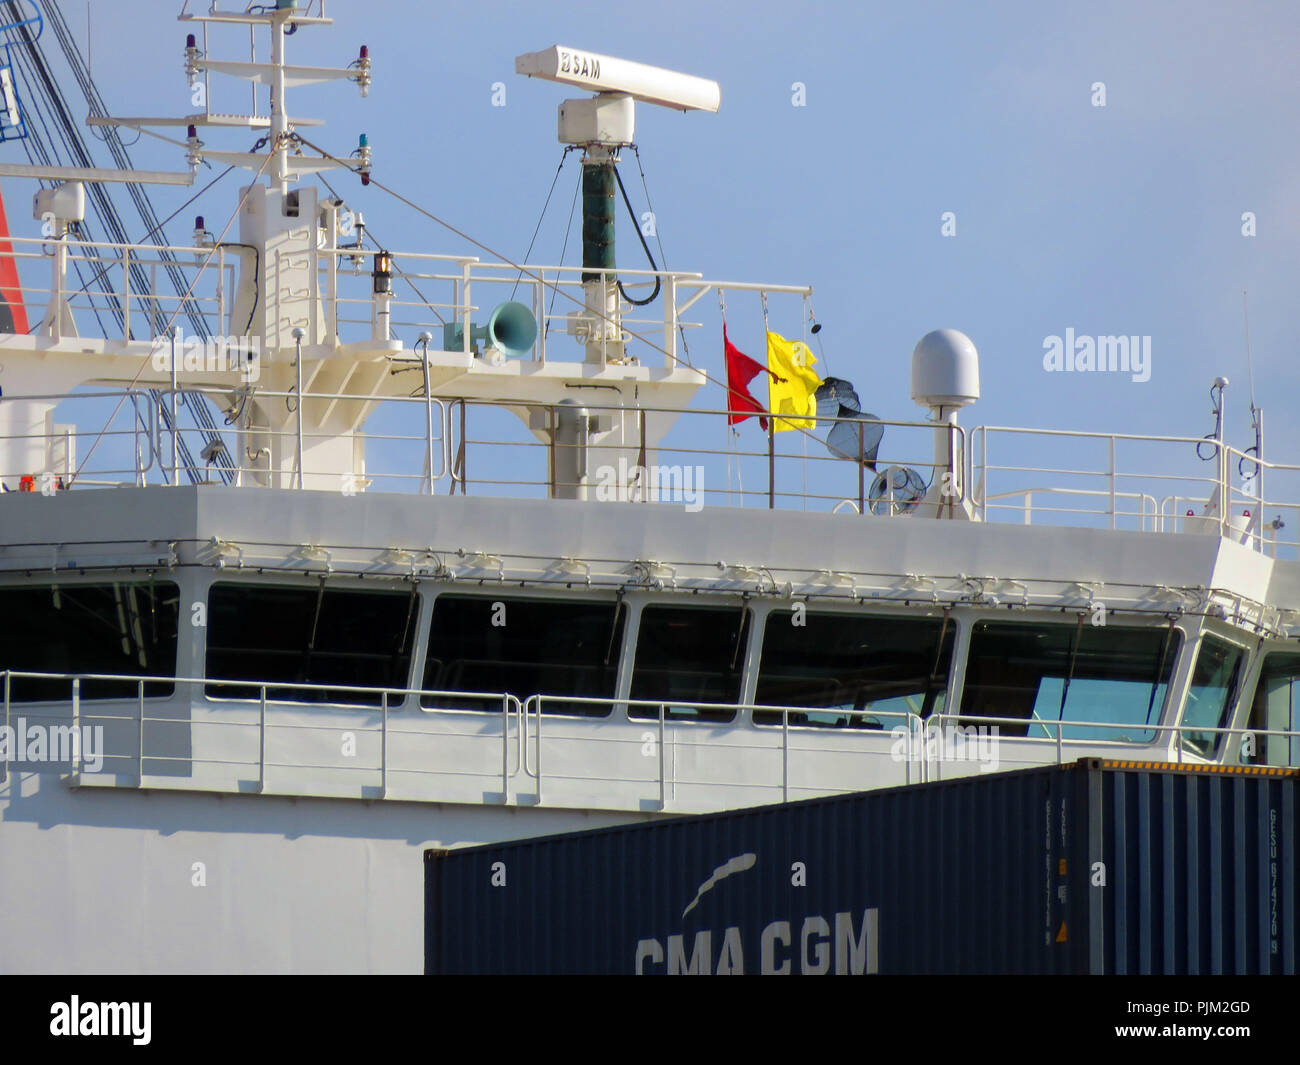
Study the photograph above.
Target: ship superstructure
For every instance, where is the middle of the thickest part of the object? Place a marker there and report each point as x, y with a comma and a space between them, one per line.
460, 578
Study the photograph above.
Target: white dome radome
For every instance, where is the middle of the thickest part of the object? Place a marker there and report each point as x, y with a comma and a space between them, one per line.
945, 370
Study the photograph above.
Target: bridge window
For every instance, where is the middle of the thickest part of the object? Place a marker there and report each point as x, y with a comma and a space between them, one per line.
524, 647
1212, 693
1045, 674
334, 637
891, 666
686, 656
1274, 710
117, 629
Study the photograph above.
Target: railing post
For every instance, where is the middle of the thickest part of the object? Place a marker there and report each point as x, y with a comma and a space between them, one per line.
862, 469
465, 313
1112, 481
261, 743
222, 324
771, 463
785, 754
332, 282
297, 418
907, 773
428, 413
464, 447
126, 293
139, 761
550, 452
1223, 491
663, 786
60, 261
176, 476
4, 762
505, 748
383, 747
539, 304
984, 472
1060, 728
670, 321
76, 723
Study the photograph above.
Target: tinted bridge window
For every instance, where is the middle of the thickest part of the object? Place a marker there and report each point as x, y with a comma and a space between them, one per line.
1043, 675
524, 647
119, 628
273, 635
891, 665
686, 656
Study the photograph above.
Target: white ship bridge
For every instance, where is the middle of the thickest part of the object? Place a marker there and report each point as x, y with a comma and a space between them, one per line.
543, 581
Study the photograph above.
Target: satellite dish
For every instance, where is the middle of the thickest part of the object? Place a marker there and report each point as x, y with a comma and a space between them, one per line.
833, 394
837, 399
896, 491
857, 439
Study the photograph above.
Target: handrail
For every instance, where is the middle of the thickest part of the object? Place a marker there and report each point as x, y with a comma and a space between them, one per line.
791, 741
775, 470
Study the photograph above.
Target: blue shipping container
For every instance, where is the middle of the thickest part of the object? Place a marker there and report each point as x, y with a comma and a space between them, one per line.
1098, 867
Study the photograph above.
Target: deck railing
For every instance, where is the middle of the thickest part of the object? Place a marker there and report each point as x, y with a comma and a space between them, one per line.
449, 444
394, 746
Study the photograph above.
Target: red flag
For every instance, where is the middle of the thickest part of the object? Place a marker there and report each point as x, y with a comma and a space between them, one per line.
741, 369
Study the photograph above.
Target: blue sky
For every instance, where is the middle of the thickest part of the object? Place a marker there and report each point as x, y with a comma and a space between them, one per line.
1122, 219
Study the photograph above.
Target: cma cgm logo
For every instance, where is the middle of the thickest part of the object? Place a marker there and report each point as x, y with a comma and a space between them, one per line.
814, 946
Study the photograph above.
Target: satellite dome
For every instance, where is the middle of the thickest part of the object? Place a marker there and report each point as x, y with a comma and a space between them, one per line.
945, 370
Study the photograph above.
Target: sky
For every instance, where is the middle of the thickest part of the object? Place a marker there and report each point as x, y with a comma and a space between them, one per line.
1062, 213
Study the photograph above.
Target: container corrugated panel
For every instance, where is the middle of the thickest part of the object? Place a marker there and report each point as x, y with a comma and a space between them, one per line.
1097, 867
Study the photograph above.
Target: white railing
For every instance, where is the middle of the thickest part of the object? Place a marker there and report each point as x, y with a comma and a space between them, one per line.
1132, 481
1037, 476
385, 743
96, 280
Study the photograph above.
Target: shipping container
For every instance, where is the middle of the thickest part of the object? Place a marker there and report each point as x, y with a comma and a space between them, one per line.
1096, 867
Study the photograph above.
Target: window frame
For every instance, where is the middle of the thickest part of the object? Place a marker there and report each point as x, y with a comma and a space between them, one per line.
398, 695
620, 604
171, 679
958, 626
1228, 714
1270, 650
745, 639
1160, 713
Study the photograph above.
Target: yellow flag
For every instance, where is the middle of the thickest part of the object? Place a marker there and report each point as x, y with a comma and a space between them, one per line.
791, 394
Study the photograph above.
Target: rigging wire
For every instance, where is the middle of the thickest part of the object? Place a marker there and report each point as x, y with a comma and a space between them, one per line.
396, 268
193, 402
103, 271
563, 156
34, 64
239, 207
564, 250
